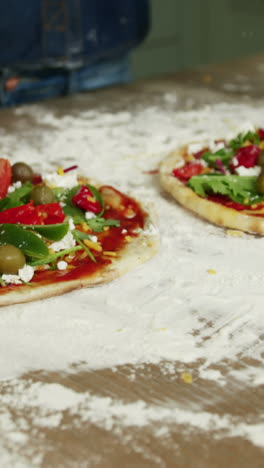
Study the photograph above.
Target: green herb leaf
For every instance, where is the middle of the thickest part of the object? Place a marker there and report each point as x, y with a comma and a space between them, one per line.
53, 257
241, 189
98, 224
79, 236
26, 241
53, 232
225, 154
241, 138
16, 198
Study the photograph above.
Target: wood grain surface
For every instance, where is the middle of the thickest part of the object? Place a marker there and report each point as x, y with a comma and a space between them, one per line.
76, 441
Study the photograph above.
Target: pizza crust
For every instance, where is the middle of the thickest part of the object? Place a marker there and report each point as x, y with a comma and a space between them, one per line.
206, 209
137, 251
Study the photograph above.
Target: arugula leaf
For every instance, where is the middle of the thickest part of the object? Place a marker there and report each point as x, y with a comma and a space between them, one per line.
241, 189
241, 138
78, 235
98, 224
225, 154
52, 257
17, 197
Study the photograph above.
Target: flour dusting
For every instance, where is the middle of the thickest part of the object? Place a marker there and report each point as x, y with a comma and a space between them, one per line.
170, 309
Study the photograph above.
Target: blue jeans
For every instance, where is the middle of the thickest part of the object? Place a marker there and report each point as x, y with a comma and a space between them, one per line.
49, 83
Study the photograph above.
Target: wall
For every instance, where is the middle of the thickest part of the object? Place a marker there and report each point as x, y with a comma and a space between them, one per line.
192, 32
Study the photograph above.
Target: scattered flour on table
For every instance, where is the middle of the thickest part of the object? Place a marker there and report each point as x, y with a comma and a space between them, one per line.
169, 309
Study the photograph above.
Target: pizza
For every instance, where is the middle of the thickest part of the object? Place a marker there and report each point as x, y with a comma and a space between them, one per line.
222, 182
61, 231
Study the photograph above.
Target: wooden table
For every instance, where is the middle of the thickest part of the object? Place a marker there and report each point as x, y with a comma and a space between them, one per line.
80, 443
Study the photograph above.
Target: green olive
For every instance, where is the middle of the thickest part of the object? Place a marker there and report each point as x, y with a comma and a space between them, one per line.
22, 172
260, 183
11, 259
260, 160
42, 194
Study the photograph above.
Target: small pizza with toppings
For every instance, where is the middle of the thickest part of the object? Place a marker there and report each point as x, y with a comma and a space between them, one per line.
60, 232
222, 182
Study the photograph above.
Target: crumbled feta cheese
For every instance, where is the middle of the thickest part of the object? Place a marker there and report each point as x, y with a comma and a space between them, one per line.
216, 146
124, 231
248, 171
235, 161
67, 180
66, 243
195, 147
71, 224
93, 238
14, 186
62, 265
11, 279
26, 273
89, 215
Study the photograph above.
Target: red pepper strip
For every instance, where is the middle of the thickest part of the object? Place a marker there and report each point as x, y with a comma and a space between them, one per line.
261, 133
223, 200
246, 156
5, 176
50, 213
199, 154
25, 214
186, 172
85, 200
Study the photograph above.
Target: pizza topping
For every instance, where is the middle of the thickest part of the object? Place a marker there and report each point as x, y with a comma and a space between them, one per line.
42, 194
62, 265
14, 186
86, 200
22, 172
240, 189
5, 176
65, 180
67, 242
246, 156
58, 225
189, 170
11, 259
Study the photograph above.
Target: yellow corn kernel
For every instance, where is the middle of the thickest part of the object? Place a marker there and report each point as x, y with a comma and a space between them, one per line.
128, 238
83, 255
51, 251
110, 254
91, 199
93, 245
247, 143
211, 272
60, 171
261, 145
106, 228
186, 377
246, 201
85, 227
205, 170
190, 157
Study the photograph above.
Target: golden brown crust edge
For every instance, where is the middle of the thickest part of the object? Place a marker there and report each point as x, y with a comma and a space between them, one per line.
138, 251
212, 212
